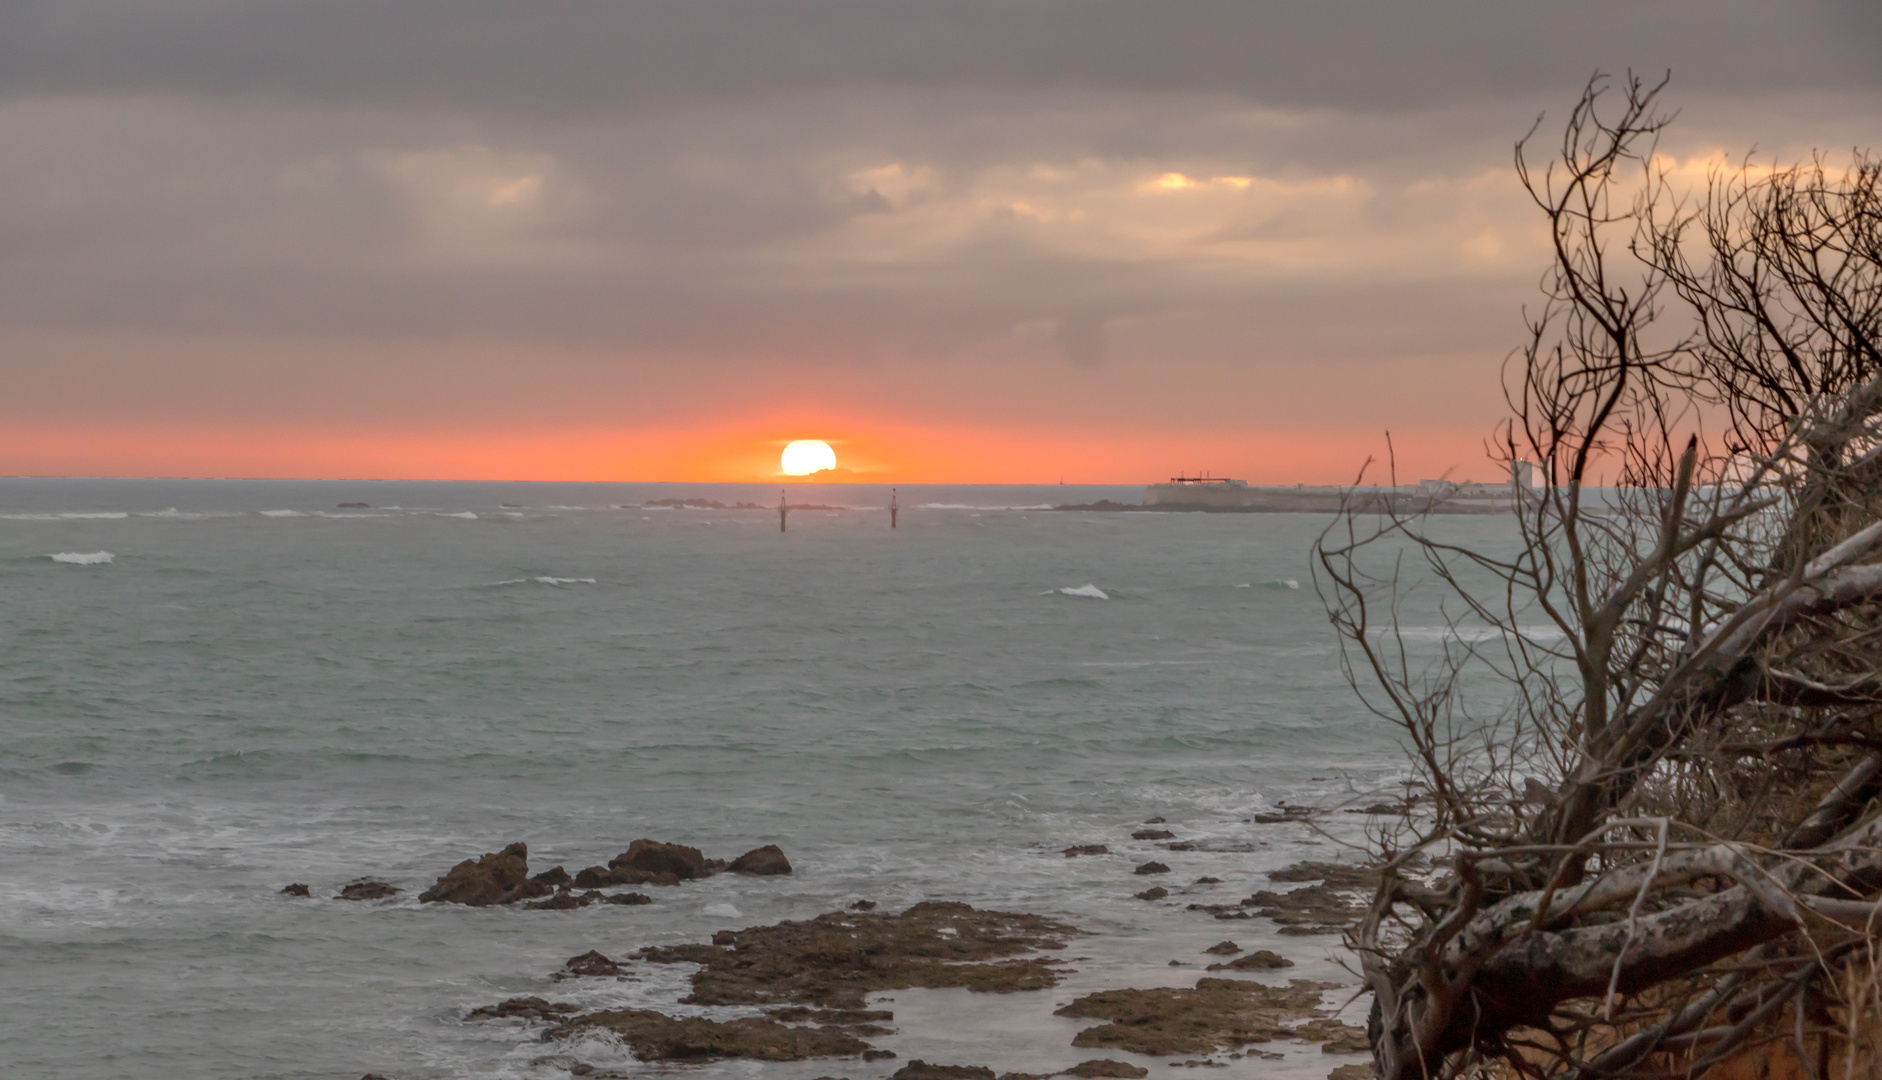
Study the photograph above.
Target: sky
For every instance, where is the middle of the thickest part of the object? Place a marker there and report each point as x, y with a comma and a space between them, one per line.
1020, 241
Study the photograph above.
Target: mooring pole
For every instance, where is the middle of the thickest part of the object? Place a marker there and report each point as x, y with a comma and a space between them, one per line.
781, 511
892, 508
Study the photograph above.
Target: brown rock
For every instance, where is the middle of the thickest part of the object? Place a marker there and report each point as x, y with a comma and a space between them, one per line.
921, 1070
525, 1008
1208, 881
797, 1014
656, 858
1180, 846
878, 1055
724, 937
1353, 1072
1223, 948
838, 957
1153, 834
596, 877
761, 862
1152, 868
1105, 1067
592, 962
1153, 821
627, 898
296, 889
1339, 1038
366, 889
1218, 1014
555, 877
655, 1036
863, 905
1086, 849
499, 878
1259, 960
1155, 893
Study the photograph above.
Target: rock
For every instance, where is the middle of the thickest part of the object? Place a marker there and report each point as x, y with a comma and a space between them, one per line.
1338, 875
1153, 821
499, 878
1340, 1038
1352, 1072
1208, 881
1223, 948
797, 1014
1218, 1014
1398, 809
1180, 846
373, 1076
1086, 849
555, 877
627, 898
565, 900
837, 958
595, 877
761, 862
656, 858
1155, 893
878, 1055
724, 937
921, 1070
296, 889
592, 963
1105, 1067
366, 889
524, 1008
1259, 960
1152, 868
1153, 834
655, 1036
863, 905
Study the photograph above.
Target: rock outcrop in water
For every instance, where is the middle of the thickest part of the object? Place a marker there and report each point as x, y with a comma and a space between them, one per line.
835, 959
499, 878
367, 889
1217, 1014
657, 858
655, 1036
296, 889
766, 861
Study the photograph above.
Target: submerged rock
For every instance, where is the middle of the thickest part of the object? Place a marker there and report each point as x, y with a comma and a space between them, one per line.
655, 1036
761, 862
499, 878
296, 889
1152, 868
591, 962
837, 958
863, 905
1154, 893
656, 858
630, 898
1259, 960
365, 889
1153, 834
921, 1070
1106, 1068
524, 1008
1224, 948
1218, 1014
565, 900
1086, 849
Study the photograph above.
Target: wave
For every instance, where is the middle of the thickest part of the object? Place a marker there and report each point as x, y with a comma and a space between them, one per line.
82, 558
465, 514
187, 515
967, 506
546, 580
1087, 590
282, 513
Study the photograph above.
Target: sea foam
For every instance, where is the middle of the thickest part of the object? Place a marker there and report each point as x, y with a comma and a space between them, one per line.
82, 558
1087, 590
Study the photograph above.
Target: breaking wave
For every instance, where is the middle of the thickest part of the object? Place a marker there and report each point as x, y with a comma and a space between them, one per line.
82, 558
1086, 590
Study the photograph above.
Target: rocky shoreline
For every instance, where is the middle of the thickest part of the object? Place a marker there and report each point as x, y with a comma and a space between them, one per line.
802, 989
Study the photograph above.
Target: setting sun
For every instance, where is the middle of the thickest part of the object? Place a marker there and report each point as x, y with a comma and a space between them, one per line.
806, 456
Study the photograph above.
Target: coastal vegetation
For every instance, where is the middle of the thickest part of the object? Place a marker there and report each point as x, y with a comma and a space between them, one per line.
1645, 760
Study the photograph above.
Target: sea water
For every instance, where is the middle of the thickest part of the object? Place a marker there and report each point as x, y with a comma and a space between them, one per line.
210, 689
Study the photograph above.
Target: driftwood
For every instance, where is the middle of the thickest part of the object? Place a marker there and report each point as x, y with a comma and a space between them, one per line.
1650, 749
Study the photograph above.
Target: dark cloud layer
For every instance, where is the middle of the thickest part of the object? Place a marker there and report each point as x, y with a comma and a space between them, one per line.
957, 195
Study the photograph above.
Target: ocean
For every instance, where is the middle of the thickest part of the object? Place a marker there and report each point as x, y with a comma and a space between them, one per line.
212, 689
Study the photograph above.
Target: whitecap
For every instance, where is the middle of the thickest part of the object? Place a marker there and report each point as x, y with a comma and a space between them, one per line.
466, 515
108, 515
282, 513
722, 911
1282, 583
82, 558
566, 580
1087, 590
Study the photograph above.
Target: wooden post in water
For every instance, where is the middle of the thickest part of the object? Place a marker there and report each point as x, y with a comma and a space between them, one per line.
781, 511
892, 508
